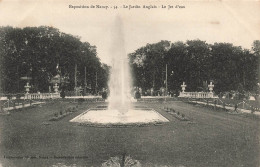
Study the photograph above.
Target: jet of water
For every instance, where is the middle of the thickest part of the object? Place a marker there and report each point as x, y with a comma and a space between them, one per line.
119, 80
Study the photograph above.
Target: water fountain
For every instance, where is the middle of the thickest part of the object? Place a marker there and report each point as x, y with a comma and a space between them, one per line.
120, 80
120, 109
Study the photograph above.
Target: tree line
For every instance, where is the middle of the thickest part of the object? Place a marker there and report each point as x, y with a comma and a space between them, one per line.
40, 53
197, 63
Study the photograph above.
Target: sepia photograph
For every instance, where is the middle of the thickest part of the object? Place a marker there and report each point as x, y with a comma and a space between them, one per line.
149, 83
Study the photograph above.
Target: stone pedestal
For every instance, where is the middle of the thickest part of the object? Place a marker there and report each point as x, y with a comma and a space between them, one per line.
27, 88
183, 87
211, 86
56, 88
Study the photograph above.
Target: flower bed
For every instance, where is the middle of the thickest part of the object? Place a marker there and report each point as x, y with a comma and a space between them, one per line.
177, 115
62, 114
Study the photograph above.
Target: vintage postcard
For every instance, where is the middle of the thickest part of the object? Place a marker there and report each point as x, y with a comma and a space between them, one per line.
120, 83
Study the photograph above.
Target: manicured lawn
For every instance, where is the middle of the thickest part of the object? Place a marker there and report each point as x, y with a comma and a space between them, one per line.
233, 102
210, 138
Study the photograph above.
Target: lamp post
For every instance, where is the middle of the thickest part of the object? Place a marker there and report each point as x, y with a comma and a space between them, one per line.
166, 80
75, 78
96, 86
85, 80
171, 80
166, 49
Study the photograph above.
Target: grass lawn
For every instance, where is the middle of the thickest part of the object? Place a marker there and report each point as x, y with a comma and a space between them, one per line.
233, 102
210, 138
247, 105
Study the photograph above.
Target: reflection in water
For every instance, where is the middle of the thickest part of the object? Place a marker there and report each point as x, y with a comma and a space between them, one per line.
133, 116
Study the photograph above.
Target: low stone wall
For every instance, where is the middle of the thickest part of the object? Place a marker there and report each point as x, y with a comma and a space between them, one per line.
42, 96
156, 99
197, 95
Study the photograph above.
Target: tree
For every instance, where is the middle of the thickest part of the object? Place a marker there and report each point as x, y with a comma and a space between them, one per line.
198, 53
38, 51
256, 52
177, 65
148, 64
197, 63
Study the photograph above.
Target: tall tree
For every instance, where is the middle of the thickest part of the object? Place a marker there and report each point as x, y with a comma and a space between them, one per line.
197, 63
149, 63
36, 52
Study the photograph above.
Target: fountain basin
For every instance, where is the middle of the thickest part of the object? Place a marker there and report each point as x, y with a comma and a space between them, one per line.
132, 116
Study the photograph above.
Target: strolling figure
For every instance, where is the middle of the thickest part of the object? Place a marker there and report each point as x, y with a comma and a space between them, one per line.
252, 109
235, 108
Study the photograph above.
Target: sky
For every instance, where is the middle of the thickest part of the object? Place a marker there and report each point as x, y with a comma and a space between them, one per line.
236, 22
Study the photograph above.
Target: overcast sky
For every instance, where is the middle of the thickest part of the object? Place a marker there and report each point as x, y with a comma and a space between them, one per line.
237, 22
